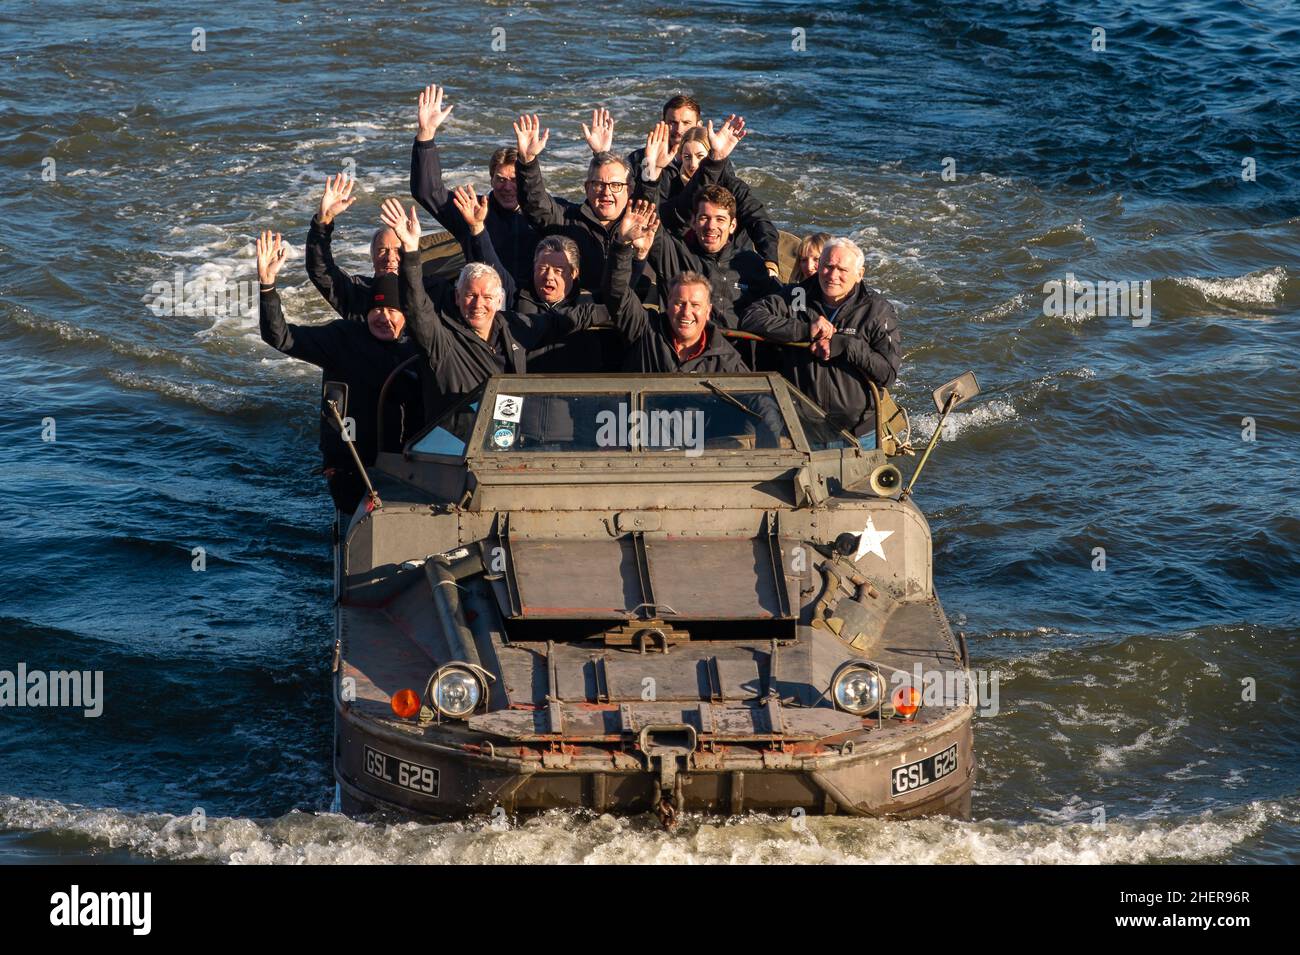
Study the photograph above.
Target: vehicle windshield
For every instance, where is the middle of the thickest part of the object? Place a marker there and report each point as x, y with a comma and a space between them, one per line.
451, 434
554, 422
672, 421
817, 428
696, 422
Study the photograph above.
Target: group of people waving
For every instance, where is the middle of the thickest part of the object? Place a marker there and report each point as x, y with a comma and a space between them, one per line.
669, 251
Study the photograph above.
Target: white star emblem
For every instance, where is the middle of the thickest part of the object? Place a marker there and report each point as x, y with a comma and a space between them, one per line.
870, 541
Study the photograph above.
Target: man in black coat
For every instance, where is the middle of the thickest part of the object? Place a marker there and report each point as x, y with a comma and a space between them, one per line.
476, 338
350, 295
674, 148
588, 223
851, 329
738, 276
682, 339
360, 355
512, 235
554, 287
347, 294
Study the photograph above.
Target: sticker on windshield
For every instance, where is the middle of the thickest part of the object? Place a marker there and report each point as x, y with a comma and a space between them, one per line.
508, 408
504, 437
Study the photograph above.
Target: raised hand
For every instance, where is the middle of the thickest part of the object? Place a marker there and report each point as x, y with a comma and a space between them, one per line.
636, 219
645, 240
724, 140
530, 138
429, 112
600, 135
271, 253
657, 153
338, 196
406, 226
473, 207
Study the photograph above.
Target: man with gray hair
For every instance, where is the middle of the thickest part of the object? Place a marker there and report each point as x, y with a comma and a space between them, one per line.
589, 223
554, 287
851, 331
477, 337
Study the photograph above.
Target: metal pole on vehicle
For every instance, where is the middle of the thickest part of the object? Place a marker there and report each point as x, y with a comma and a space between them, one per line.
934, 439
371, 496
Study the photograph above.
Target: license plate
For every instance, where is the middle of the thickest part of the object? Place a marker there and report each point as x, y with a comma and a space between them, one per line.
923, 772
400, 773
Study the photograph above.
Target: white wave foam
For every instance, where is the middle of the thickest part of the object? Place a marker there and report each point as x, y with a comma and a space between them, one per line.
1150, 739
569, 838
982, 416
1015, 304
204, 394
1263, 287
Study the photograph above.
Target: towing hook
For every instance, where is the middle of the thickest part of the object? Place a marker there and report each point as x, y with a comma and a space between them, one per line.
667, 748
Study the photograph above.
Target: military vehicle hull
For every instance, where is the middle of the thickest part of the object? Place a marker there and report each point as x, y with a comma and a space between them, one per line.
647, 632
473, 779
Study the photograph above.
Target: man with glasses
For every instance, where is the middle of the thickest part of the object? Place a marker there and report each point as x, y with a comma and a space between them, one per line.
512, 236
590, 224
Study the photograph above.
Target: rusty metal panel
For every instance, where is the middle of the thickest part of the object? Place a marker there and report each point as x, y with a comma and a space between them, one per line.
523, 671
719, 578
741, 677
734, 723
673, 676
708, 578
576, 579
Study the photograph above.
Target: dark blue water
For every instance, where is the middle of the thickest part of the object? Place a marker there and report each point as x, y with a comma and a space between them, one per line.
1120, 689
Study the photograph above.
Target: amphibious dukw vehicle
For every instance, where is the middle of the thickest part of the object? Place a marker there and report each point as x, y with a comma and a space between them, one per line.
633, 593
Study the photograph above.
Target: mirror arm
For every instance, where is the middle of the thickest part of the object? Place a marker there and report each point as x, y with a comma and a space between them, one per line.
934, 439
372, 498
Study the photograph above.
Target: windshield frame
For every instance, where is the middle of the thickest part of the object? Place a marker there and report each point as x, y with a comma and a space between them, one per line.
634, 386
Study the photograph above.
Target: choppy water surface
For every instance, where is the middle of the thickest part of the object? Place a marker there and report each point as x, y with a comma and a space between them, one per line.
1120, 689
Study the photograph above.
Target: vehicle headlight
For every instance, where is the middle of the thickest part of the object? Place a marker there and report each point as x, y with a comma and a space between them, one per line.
456, 692
859, 690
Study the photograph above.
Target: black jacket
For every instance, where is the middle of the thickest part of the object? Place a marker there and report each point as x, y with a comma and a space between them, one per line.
512, 236
458, 360
866, 347
738, 276
648, 335
349, 295
346, 351
599, 351
551, 216
675, 202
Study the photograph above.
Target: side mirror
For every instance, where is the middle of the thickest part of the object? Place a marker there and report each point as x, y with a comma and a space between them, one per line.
336, 393
961, 390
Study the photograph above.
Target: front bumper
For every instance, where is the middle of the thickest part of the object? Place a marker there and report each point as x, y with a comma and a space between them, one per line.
442, 772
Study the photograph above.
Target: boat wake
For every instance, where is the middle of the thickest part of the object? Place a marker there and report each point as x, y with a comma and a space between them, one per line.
40, 828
